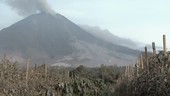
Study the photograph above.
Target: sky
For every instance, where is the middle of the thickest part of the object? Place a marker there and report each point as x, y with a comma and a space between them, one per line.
140, 20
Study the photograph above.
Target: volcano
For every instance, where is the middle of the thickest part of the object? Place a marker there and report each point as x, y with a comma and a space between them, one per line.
46, 38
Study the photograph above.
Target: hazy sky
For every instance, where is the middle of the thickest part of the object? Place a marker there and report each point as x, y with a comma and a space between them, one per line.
140, 20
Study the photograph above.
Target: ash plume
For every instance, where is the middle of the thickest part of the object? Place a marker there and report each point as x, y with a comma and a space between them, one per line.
28, 7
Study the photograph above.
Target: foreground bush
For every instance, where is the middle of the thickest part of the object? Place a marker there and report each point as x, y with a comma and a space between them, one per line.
55, 81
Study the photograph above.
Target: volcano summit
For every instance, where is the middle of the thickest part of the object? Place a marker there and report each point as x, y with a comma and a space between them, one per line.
53, 39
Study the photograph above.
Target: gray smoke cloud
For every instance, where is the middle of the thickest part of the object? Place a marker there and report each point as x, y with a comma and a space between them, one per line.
28, 7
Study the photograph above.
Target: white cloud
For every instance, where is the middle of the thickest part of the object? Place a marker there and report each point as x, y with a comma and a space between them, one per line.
8, 16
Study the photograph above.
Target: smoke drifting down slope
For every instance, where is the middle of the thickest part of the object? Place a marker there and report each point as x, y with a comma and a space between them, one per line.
56, 40
28, 7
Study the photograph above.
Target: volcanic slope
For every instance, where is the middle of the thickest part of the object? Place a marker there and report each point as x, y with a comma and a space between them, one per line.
46, 38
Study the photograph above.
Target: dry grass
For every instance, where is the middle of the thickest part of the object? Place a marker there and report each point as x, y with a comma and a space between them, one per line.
54, 81
153, 80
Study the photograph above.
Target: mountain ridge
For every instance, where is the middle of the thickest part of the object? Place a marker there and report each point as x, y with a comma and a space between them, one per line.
109, 37
55, 39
